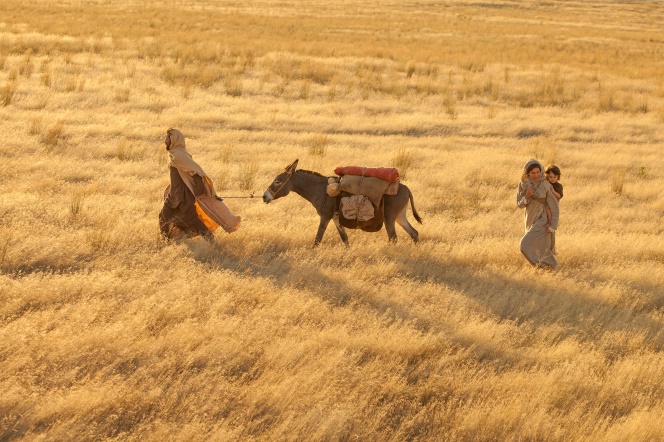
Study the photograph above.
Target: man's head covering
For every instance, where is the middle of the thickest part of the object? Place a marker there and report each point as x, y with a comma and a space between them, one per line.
177, 139
180, 158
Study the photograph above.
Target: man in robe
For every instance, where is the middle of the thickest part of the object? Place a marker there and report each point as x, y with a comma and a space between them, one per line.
191, 205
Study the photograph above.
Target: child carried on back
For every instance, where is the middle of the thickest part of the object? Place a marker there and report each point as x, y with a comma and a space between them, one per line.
553, 175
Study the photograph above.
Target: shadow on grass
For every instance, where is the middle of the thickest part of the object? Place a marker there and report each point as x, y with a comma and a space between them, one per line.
537, 302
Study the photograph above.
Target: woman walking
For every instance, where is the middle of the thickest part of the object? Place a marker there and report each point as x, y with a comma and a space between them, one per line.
533, 194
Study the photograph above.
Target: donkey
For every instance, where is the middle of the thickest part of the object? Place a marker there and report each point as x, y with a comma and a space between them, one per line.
312, 186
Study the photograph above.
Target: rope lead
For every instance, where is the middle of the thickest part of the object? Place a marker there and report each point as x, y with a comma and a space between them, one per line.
251, 195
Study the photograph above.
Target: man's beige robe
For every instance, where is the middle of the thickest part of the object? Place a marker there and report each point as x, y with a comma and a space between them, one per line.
210, 210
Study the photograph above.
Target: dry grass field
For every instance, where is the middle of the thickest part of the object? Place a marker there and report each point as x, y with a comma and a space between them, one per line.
106, 332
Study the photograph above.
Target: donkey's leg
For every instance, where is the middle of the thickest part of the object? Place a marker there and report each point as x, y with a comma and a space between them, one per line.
391, 230
390, 218
403, 222
324, 221
341, 230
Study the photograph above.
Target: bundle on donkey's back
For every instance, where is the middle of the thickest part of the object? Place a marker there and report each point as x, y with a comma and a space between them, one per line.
388, 200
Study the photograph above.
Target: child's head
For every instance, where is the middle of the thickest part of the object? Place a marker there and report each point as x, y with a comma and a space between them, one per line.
552, 173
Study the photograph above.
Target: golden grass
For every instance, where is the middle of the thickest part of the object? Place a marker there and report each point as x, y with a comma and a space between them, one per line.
106, 332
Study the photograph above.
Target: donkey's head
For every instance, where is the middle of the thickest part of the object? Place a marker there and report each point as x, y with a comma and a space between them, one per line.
281, 185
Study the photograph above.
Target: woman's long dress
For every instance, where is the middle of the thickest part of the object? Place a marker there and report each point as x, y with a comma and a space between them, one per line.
536, 243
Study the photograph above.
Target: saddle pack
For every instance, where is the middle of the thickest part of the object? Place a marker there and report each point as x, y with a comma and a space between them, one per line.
359, 195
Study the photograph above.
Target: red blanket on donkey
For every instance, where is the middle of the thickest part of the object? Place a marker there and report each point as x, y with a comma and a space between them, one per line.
384, 173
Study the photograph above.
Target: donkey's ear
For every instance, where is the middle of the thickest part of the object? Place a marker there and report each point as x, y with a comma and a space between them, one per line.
291, 167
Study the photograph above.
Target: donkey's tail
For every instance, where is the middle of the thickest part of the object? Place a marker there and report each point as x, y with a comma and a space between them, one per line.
412, 206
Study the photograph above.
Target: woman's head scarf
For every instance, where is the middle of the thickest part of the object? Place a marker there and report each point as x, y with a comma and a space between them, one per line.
541, 186
525, 178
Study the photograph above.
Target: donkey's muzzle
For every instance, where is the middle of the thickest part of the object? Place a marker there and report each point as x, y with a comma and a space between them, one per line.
267, 197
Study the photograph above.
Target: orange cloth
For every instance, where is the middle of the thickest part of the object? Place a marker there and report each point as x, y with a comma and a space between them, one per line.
211, 210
